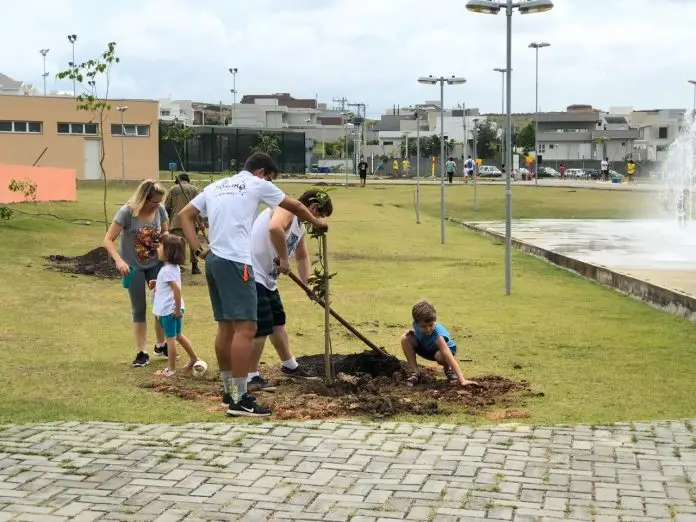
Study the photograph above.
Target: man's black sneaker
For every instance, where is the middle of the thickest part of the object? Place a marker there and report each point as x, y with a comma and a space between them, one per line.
258, 383
161, 350
247, 407
227, 399
142, 359
297, 373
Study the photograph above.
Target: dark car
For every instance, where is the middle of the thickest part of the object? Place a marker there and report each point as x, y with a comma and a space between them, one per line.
547, 172
593, 174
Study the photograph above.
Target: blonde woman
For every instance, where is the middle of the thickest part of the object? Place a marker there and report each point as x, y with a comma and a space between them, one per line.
141, 222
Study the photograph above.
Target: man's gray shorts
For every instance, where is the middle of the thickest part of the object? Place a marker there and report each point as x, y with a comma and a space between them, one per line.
232, 289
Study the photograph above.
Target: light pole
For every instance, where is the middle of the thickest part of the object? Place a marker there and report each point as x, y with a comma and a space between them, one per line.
536, 47
502, 109
418, 162
493, 7
72, 38
475, 164
233, 72
452, 80
44, 52
693, 82
122, 109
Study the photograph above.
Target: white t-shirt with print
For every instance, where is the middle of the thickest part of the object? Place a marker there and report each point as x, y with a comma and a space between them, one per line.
231, 205
263, 252
605, 165
163, 303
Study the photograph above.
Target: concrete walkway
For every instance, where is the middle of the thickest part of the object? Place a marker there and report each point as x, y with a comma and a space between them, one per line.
593, 185
347, 471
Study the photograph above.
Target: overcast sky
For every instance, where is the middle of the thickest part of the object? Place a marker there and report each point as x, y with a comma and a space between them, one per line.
604, 52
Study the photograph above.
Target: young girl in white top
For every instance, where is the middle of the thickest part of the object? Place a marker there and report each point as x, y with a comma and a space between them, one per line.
168, 304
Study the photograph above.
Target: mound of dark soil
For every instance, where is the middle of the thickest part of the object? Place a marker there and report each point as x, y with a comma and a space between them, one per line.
366, 384
365, 363
95, 263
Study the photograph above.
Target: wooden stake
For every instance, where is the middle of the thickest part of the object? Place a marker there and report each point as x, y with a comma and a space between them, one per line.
328, 368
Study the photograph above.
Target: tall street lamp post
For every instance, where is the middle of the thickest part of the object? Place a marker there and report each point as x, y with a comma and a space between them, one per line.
72, 38
693, 82
452, 80
475, 164
122, 109
44, 52
233, 72
536, 47
494, 7
502, 108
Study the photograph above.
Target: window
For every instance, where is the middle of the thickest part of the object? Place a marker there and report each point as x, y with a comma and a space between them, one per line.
33, 127
79, 129
165, 112
129, 129
551, 146
662, 133
542, 148
388, 143
661, 148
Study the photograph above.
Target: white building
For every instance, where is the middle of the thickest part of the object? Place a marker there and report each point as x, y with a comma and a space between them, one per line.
658, 129
180, 110
16, 87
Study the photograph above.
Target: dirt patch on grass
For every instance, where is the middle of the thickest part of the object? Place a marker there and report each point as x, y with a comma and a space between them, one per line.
95, 263
366, 384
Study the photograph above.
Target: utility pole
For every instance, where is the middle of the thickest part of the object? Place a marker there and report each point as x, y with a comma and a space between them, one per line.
358, 138
343, 100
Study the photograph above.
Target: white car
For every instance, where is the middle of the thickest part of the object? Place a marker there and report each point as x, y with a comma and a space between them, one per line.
576, 173
489, 171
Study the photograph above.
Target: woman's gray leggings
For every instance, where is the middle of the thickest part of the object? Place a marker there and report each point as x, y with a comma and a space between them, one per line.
137, 294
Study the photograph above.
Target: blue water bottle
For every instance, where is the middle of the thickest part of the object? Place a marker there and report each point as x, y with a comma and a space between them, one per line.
128, 278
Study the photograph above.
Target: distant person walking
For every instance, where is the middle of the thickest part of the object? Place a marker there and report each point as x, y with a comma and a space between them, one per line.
562, 171
141, 223
468, 169
631, 170
179, 196
362, 171
406, 166
395, 166
605, 169
451, 167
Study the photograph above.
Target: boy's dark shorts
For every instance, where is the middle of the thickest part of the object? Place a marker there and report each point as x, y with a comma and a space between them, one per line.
426, 353
269, 310
363, 175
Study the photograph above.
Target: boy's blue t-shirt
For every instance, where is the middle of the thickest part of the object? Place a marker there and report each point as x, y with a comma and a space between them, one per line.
428, 341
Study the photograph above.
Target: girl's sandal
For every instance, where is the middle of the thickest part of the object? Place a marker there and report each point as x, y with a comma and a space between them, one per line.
165, 372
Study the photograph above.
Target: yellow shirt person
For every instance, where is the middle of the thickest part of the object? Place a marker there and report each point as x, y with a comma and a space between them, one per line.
396, 166
405, 165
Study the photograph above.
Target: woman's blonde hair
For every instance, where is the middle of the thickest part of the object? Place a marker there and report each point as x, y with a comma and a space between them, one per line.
146, 191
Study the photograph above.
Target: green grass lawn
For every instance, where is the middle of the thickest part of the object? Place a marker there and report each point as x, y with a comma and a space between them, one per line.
598, 356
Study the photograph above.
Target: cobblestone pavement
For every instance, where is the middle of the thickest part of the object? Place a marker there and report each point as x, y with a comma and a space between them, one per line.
341, 471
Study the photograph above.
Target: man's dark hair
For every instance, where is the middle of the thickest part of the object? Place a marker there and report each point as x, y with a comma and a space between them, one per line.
174, 249
183, 177
320, 198
259, 160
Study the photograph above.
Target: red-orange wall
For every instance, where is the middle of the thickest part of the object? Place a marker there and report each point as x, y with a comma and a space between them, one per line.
52, 184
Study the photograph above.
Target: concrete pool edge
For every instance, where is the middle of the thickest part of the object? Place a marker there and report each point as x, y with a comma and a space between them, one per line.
666, 299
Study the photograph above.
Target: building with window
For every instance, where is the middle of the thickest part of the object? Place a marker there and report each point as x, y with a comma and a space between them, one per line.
50, 131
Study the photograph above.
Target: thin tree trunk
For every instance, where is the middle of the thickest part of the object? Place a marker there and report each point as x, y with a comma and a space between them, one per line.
328, 369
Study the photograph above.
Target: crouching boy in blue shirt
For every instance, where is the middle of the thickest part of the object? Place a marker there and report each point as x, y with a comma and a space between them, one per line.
430, 340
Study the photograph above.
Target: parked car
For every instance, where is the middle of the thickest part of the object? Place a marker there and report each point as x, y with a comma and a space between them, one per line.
489, 171
593, 173
547, 172
576, 173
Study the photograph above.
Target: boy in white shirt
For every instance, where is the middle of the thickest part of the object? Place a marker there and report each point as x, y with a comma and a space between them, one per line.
278, 235
231, 205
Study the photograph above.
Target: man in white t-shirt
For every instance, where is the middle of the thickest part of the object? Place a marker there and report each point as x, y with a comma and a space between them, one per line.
605, 169
278, 235
468, 169
231, 205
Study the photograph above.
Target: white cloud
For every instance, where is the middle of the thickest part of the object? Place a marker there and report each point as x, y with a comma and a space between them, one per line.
604, 52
